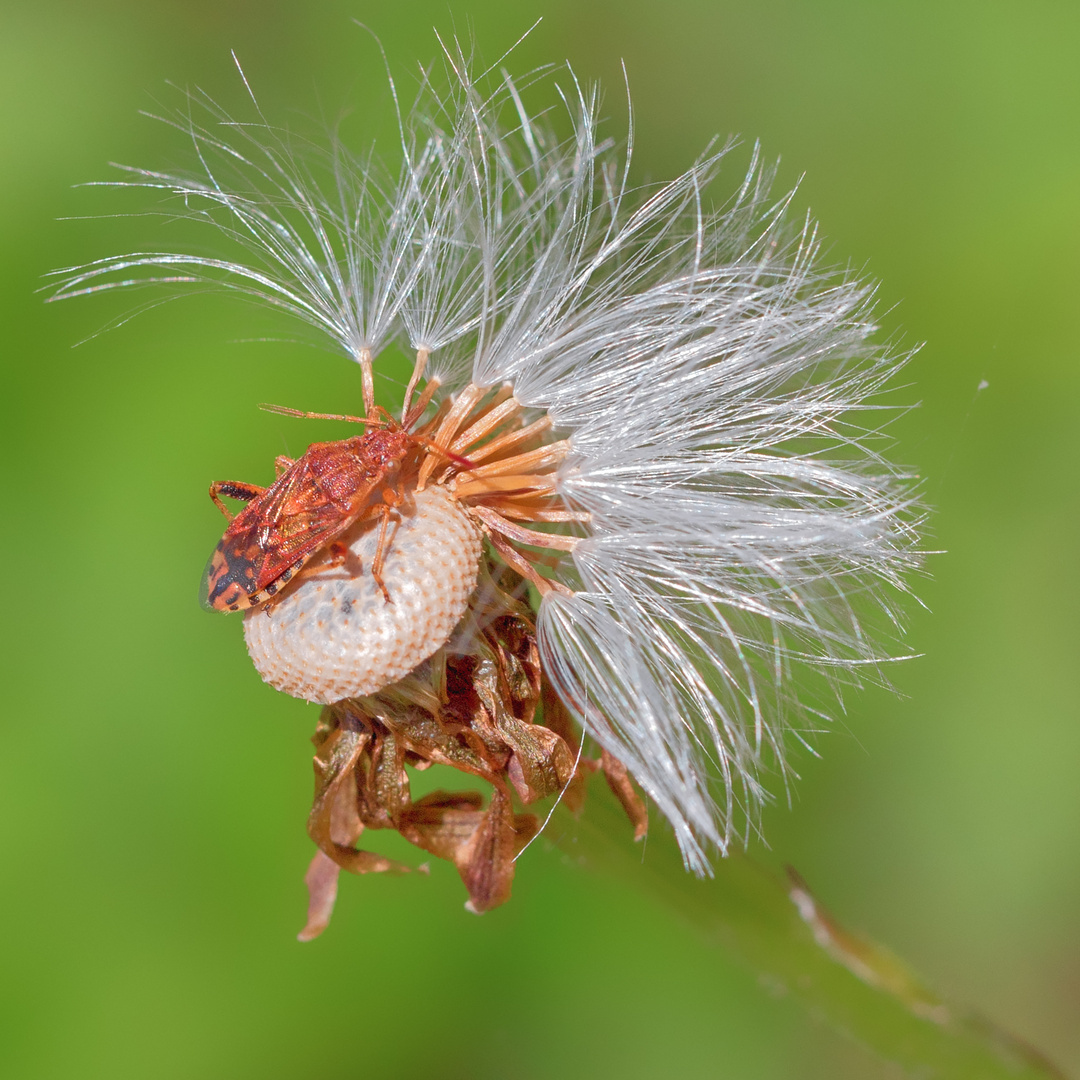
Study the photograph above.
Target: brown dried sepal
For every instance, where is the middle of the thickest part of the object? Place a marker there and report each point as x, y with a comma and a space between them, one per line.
475, 712
482, 844
623, 789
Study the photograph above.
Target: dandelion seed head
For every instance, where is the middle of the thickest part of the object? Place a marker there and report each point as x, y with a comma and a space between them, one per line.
730, 524
331, 635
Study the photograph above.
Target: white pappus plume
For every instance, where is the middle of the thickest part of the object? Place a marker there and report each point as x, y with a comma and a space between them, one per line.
729, 524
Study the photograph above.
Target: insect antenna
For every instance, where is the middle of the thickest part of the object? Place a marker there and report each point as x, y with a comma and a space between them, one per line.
282, 410
441, 451
422, 403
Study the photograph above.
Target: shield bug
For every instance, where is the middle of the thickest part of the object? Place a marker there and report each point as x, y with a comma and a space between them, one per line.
312, 502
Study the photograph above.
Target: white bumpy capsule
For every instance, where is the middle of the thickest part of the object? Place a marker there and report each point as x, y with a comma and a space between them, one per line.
332, 635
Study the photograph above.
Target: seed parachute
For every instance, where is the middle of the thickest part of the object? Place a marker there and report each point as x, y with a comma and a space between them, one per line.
641, 498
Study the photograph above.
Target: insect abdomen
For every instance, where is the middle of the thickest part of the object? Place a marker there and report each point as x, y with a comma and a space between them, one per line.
228, 582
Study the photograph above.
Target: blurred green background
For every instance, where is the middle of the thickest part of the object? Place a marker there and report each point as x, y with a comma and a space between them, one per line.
153, 791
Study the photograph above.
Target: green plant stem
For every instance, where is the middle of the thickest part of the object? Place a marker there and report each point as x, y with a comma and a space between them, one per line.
858, 988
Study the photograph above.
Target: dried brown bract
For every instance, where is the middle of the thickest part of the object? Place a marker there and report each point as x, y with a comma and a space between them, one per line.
480, 705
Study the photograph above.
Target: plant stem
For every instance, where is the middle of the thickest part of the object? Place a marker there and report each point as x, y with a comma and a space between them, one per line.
778, 931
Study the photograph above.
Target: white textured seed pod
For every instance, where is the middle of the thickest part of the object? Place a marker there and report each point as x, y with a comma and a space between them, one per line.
332, 635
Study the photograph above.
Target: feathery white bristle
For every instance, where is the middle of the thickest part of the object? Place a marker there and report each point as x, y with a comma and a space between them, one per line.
717, 385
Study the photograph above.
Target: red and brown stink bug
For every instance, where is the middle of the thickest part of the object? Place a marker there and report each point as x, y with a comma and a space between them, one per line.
312, 502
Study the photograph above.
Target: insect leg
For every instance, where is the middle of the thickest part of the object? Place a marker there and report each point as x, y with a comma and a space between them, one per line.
234, 489
282, 464
391, 499
338, 554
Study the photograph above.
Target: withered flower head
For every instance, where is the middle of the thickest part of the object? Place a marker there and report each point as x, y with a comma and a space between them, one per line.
631, 492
